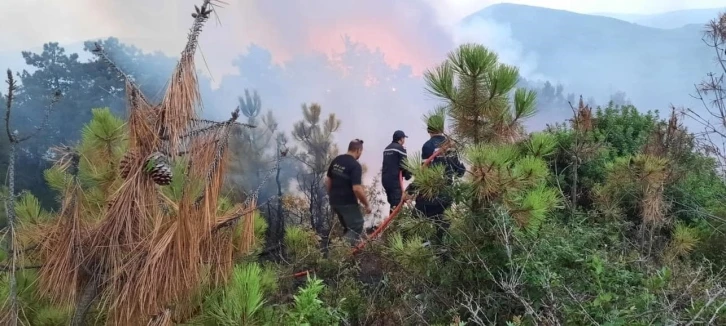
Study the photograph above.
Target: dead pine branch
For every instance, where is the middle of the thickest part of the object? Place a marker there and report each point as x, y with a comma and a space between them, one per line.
278, 229
582, 125
14, 141
144, 270
712, 94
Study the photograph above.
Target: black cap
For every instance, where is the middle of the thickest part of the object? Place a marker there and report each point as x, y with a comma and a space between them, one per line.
398, 134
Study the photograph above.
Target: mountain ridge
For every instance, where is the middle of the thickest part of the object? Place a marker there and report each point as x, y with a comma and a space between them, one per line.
591, 54
669, 19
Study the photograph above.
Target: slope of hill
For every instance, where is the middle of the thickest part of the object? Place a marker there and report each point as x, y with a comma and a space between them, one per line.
596, 55
671, 19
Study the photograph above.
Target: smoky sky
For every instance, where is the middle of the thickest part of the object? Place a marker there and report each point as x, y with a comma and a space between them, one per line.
360, 60
295, 51
371, 98
406, 30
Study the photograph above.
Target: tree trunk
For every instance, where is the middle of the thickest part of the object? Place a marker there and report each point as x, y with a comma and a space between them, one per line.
311, 208
10, 211
84, 303
280, 229
573, 188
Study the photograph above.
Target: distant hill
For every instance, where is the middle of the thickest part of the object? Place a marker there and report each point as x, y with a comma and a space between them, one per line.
671, 19
597, 55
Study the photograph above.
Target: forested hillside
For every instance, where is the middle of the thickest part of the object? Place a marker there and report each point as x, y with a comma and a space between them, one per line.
124, 205
598, 55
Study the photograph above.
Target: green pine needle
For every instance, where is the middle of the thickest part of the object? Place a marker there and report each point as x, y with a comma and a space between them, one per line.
541, 144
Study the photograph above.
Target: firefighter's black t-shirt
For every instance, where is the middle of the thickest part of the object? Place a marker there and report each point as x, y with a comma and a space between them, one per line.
344, 173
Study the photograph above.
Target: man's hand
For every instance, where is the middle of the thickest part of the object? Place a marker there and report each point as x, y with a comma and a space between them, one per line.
368, 209
405, 197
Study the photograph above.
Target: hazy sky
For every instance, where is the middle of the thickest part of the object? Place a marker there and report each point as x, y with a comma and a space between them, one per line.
464, 7
413, 32
74, 20
406, 30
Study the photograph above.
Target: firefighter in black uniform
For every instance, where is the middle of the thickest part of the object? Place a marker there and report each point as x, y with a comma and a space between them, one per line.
433, 208
394, 158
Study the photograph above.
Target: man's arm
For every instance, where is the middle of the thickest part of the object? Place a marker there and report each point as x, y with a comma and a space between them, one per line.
458, 167
328, 182
411, 189
355, 179
402, 161
427, 150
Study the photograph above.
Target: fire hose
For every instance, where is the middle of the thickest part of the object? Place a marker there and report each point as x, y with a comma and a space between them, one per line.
388, 220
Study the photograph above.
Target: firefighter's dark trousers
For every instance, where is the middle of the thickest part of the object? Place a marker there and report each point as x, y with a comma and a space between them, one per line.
394, 193
434, 211
351, 217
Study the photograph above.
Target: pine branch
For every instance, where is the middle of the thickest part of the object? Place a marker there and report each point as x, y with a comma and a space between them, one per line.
46, 117
14, 141
232, 221
103, 55
5, 268
12, 87
220, 150
212, 127
10, 206
201, 15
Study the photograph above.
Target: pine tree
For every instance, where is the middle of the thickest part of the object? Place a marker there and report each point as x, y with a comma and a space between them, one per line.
276, 220
476, 90
503, 202
578, 145
258, 164
712, 93
315, 137
84, 177
253, 149
153, 231
638, 183
486, 112
10, 313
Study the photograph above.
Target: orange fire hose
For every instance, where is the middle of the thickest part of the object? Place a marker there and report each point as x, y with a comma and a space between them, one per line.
387, 221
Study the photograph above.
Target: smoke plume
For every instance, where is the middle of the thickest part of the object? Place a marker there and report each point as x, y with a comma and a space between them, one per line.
361, 60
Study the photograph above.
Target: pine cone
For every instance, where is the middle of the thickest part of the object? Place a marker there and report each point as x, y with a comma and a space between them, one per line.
124, 165
157, 165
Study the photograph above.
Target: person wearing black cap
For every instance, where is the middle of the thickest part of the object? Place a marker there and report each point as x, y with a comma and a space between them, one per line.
394, 158
434, 208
